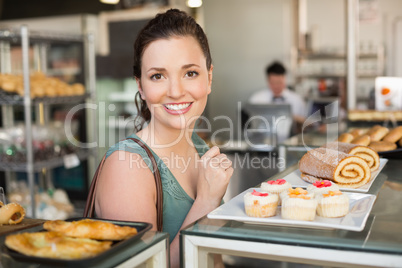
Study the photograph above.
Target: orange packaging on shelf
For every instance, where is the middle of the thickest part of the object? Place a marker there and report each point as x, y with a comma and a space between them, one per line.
388, 93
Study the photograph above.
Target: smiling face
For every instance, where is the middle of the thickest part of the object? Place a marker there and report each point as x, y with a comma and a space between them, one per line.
175, 81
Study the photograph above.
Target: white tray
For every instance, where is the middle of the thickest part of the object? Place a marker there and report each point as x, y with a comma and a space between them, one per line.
294, 178
355, 220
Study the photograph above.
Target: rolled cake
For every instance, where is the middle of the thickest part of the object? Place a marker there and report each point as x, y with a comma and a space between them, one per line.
344, 169
368, 154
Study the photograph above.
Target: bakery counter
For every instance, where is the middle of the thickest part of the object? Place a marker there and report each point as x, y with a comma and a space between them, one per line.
378, 244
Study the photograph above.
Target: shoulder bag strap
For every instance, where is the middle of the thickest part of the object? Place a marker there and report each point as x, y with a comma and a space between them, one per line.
90, 204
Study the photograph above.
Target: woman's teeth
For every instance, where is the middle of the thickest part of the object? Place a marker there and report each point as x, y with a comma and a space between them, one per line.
177, 107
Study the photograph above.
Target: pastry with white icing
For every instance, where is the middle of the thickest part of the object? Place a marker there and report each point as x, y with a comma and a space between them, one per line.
275, 187
260, 205
298, 204
332, 204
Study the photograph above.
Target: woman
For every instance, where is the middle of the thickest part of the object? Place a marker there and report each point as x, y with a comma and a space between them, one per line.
173, 71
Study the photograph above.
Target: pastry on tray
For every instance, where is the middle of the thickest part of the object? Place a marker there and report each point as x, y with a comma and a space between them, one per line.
382, 146
12, 213
323, 186
346, 137
377, 132
275, 187
369, 155
93, 229
55, 245
394, 135
332, 204
363, 140
378, 138
298, 204
346, 170
260, 205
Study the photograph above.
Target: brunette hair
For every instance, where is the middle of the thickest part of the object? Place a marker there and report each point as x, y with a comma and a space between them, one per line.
172, 23
275, 68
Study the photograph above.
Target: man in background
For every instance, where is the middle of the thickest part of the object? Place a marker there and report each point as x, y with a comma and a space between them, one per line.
277, 92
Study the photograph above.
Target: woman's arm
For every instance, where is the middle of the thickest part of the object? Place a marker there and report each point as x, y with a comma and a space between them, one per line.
126, 189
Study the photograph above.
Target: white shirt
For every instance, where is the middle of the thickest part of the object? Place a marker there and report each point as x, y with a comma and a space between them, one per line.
296, 102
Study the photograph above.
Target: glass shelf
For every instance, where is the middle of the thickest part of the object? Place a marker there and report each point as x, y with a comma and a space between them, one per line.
39, 165
14, 99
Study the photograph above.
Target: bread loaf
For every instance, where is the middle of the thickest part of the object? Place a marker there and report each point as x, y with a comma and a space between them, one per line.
394, 135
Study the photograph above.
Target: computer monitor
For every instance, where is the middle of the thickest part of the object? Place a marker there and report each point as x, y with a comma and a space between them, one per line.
266, 123
325, 108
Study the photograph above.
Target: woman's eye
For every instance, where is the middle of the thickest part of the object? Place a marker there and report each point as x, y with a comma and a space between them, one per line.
191, 74
156, 77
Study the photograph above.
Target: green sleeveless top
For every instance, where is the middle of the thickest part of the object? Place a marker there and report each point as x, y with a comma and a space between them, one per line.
176, 202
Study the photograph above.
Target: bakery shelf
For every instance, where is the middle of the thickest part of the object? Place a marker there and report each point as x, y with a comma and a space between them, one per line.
331, 75
38, 44
64, 71
14, 99
374, 116
14, 35
333, 56
55, 162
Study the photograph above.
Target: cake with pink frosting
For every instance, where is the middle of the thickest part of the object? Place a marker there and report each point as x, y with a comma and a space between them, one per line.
261, 205
323, 186
275, 187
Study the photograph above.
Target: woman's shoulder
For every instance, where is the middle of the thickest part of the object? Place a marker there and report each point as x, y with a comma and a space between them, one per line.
127, 145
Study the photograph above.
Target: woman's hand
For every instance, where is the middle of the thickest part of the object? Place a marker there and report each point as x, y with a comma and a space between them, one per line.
215, 170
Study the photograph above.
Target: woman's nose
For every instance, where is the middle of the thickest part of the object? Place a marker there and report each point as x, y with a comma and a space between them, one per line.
176, 89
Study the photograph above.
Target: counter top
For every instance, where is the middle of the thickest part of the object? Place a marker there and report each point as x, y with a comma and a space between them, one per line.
382, 233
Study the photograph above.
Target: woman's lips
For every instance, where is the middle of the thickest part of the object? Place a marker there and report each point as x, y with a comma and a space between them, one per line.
177, 108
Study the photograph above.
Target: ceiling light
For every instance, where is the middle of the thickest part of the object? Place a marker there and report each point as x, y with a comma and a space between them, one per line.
110, 1
194, 3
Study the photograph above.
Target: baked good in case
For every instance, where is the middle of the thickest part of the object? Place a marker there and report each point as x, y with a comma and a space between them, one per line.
275, 187
377, 132
344, 169
362, 140
93, 229
55, 245
323, 186
369, 155
345, 137
12, 213
357, 132
298, 204
382, 146
260, 205
394, 135
332, 204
